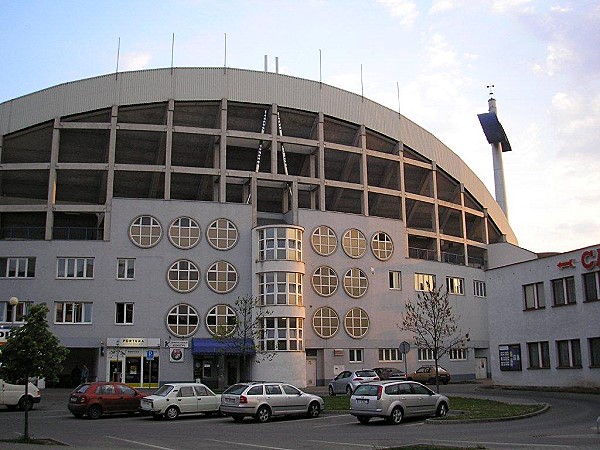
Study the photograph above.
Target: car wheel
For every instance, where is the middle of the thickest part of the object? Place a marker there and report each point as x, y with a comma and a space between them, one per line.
237, 417
263, 414
363, 419
94, 412
172, 413
348, 390
442, 410
396, 416
25, 402
331, 391
314, 410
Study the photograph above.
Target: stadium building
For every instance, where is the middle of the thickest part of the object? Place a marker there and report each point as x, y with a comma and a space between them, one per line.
140, 206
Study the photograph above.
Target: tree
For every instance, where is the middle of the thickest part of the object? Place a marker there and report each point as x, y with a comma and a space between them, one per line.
433, 324
243, 331
32, 351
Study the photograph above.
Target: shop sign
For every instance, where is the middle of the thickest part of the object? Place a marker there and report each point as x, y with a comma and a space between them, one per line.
4, 334
176, 354
510, 357
590, 259
178, 344
133, 342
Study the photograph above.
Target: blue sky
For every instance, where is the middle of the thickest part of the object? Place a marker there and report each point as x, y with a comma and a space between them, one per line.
541, 56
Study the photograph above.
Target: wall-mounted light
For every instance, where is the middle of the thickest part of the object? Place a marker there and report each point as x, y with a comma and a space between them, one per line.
101, 348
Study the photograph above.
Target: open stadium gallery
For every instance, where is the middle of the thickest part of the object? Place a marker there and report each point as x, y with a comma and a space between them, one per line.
140, 206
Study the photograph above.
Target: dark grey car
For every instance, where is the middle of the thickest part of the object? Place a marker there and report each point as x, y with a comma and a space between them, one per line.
394, 400
345, 382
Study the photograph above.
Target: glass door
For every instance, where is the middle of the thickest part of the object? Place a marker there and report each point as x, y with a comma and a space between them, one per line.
133, 370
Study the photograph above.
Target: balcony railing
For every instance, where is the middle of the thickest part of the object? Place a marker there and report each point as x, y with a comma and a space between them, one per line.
422, 253
453, 258
77, 234
479, 263
22, 233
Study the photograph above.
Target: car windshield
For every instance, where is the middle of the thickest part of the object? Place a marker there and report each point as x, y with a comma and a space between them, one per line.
366, 389
236, 389
365, 373
164, 390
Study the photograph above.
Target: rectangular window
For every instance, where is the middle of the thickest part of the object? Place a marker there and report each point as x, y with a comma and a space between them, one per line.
594, 344
455, 285
539, 355
17, 267
534, 296
14, 314
77, 268
390, 355
425, 354
395, 277
458, 354
563, 291
124, 313
479, 288
125, 268
591, 286
355, 355
424, 282
568, 353
72, 312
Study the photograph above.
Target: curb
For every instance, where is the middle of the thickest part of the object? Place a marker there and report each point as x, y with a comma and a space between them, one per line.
497, 419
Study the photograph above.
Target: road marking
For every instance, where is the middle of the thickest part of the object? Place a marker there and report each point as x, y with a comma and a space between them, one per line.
139, 443
510, 445
341, 443
247, 445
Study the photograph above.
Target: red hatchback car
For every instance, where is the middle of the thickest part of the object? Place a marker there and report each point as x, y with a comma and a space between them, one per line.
98, 398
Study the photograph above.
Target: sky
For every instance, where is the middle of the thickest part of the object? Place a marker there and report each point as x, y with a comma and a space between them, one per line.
432, 60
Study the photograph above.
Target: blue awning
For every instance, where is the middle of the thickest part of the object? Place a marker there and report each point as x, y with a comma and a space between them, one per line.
209, 346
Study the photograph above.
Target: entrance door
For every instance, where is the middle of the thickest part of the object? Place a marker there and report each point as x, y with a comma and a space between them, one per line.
133, 370
116, 370
311, 371
481, 368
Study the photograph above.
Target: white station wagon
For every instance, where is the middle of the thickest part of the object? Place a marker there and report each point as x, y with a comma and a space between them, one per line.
173, 399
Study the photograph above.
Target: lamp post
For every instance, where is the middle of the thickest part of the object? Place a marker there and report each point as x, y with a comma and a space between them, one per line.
13, 301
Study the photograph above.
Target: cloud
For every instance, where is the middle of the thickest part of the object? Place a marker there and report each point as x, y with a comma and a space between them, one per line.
135, 61
439, 6
406, 10
512, 6
576, 119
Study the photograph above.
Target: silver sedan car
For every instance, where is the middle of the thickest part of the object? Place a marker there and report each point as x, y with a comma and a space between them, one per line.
394, 400
262, 400
345, 382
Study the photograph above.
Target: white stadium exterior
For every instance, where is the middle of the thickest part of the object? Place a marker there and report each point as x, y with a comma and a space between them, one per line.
139, 206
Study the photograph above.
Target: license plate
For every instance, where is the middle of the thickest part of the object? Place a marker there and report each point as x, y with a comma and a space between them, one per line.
362, 400
230, 400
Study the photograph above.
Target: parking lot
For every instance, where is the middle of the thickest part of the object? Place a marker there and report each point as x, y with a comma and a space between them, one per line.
569, 424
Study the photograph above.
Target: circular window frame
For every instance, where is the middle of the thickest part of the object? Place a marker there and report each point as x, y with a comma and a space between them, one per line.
156, 224
210, 283
377, 253
333, 233
361, 276
346, 316
170, 282
215, 245
337, 316
172, 239
337, 284
209, 327
361, 236
170, 312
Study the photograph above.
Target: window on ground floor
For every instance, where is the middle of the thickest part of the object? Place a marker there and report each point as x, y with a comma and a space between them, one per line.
594, 344
539, 355
390, 355
569, 353
355, 355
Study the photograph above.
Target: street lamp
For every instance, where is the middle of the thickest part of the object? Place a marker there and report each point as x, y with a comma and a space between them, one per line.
13, 302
